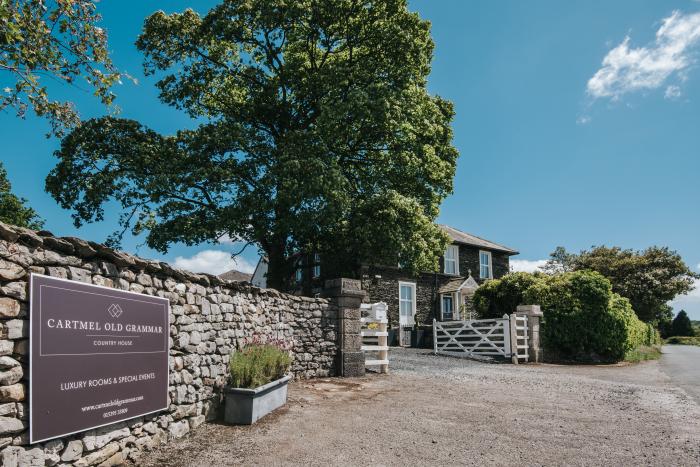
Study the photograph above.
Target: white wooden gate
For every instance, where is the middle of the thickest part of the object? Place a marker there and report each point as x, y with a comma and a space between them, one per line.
505, 337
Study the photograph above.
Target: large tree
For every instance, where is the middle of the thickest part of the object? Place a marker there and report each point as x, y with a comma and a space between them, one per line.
649, 278
44, 41
315, 132
14, 210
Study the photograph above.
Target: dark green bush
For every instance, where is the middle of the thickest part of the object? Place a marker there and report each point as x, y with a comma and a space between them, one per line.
501, 296
585, 320
257, 365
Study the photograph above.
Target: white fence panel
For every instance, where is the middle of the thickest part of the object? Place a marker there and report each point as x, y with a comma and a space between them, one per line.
374, 336
505, 337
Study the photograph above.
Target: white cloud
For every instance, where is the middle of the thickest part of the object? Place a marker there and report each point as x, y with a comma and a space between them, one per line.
526, 265
672, 92
627, 69
690, 302
213, 262
226, 239
583, 120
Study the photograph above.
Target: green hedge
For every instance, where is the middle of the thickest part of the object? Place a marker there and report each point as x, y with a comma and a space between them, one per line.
583, 319
501, 296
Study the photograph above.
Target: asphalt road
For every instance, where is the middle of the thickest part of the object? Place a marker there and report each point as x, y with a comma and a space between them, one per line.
682, 364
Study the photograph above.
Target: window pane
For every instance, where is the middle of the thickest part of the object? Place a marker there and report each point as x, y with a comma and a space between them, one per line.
484, 273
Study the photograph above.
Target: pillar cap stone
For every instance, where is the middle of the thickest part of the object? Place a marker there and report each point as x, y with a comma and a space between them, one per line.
343, 287
532, 310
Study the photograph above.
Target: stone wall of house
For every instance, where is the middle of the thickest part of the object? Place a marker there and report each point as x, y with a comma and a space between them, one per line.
386, 289
382, 283
209, 319
469, 261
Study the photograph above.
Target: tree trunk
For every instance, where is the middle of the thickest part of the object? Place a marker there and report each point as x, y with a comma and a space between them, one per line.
277, 270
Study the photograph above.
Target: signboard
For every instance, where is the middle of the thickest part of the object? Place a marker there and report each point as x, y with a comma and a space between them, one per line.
98, 356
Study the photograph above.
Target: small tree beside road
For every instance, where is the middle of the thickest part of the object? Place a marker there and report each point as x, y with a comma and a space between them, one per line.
681, 325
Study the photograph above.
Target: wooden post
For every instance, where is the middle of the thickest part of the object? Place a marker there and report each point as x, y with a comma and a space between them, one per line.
434, 336
513, 338
383, 341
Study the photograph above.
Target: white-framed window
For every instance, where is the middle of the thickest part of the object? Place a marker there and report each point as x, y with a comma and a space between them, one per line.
485, 267
447, 307
407, 303
452, 260
316, 270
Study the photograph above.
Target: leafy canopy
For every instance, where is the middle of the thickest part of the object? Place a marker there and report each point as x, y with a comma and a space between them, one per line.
649, 278
13, 210
52, 40
315, 131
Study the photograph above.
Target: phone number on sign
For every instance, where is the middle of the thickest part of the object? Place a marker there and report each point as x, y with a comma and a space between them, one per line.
113, 413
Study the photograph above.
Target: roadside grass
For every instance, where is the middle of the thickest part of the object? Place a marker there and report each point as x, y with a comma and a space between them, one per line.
643, 353
683, 340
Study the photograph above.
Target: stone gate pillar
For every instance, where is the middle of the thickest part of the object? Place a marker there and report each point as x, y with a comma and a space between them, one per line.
347, 295
534, 319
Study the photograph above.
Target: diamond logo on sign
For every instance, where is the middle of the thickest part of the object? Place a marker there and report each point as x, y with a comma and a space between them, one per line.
115, 310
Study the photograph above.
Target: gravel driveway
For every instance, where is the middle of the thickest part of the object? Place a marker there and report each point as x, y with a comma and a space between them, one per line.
448, 411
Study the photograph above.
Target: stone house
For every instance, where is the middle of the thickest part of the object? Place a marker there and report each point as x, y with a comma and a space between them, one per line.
417, 299
444, 294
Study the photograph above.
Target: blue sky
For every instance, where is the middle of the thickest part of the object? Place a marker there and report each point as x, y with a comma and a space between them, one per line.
577, 125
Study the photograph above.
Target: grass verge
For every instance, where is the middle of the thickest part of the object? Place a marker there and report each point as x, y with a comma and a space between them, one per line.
642, 353
682, 340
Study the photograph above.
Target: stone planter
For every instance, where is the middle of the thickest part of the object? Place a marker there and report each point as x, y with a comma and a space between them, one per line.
246, 406
417, 338
393, 337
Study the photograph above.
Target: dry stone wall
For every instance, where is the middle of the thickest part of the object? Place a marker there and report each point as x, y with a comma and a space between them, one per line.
209, 319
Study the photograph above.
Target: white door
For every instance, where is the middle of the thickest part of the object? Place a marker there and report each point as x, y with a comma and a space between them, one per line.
407, 311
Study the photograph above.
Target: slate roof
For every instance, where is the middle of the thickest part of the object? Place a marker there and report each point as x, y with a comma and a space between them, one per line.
234, 275
465, 238
456, 284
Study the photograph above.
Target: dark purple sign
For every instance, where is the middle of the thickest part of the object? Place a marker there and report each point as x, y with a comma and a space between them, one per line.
98, 356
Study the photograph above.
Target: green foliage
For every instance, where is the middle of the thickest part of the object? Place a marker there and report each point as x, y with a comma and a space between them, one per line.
643, 353
13, 210
257, 365
680, 340
681, 325
585, 320
649, 278
52, 39
315, 132
500, 296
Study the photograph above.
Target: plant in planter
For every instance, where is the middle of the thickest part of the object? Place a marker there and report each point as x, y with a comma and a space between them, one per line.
417, 335
258, 383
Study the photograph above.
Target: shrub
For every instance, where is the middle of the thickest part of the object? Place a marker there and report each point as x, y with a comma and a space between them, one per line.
683, 340
257, 365
500, 296
585, 320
